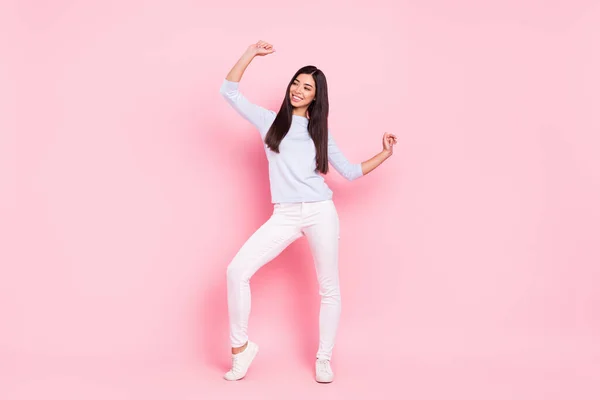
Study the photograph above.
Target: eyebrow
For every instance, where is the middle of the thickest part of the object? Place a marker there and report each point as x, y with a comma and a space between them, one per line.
307, 84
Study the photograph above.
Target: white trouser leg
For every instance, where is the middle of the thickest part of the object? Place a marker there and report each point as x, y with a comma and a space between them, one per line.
282, 228
321, 227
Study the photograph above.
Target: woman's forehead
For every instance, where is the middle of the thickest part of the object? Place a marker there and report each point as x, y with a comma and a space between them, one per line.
305, 78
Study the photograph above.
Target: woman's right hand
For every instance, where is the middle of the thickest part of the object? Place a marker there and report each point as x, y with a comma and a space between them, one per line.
261, 48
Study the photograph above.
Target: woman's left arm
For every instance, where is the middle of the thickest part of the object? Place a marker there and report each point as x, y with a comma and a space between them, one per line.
389, 140
352, 171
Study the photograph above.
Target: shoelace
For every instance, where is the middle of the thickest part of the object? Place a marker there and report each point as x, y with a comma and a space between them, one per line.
236, 368
323, 366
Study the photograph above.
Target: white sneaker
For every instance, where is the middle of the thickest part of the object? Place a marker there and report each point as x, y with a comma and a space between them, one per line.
323, 371
241, 362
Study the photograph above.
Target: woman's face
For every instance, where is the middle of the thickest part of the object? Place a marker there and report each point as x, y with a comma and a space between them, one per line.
302, 91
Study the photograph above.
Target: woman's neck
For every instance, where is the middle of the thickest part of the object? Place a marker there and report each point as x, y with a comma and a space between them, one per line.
301, 112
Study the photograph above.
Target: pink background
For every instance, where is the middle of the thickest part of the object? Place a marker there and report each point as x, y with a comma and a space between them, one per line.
469, 261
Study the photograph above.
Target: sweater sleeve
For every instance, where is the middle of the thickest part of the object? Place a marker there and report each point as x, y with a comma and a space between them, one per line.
341, 164
258, 116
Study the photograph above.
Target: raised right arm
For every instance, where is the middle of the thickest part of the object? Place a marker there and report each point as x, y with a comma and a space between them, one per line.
260, 117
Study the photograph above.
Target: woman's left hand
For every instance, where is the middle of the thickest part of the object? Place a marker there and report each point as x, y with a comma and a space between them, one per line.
389, 140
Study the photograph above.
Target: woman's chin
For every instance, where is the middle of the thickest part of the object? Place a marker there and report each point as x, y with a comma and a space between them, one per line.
297, 104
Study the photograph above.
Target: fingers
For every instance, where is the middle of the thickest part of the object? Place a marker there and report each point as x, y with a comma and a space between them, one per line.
391, 138
264, 45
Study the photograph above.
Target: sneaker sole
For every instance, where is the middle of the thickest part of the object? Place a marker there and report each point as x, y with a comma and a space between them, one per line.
322, 381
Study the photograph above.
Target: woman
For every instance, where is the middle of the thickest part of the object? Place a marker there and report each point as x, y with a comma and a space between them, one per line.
299, 149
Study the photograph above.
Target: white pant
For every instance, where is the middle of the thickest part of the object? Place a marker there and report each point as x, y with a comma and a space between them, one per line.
317, 221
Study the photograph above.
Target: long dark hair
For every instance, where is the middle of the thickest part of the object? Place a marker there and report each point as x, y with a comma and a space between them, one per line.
318, 111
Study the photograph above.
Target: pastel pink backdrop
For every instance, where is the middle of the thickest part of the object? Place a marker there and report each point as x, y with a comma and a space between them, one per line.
128, 184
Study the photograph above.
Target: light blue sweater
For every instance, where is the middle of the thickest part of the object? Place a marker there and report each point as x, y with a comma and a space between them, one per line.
293, 171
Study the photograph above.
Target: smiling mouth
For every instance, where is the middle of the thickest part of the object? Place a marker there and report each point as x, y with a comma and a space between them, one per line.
296, 98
